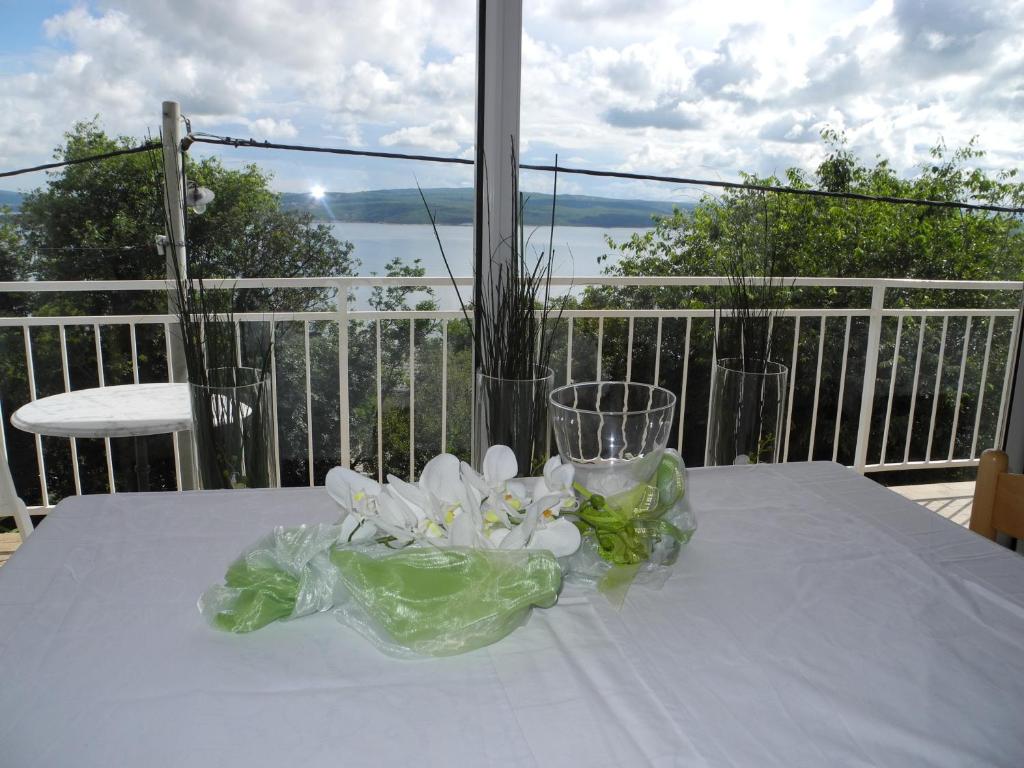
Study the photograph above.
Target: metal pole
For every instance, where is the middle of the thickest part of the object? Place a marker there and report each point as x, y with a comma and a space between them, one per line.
174, 254
499, 57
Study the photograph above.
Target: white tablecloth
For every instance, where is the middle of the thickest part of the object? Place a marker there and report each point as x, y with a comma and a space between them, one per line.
816, 619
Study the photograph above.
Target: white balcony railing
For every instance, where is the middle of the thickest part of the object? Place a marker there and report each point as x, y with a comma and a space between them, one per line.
960, 358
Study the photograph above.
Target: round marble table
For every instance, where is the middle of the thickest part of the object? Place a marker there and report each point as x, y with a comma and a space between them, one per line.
128, 410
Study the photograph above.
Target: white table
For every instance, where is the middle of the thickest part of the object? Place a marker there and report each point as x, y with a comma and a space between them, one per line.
126, 410
816, 619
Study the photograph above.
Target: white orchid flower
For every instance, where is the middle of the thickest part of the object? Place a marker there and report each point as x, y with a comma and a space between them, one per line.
354, 493
441, 479
557, 479
453, 505
559, 536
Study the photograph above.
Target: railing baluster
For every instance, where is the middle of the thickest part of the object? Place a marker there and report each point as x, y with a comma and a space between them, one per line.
938, 388
711, 377
568, 351
1011, 353
444, 386
66, 374
892, 386
959, 389
657, 355
135, 352
102, 382
867, 396
817, 387
913, 391
412, 401
842, 388
309, 405
341, 316
273, 385
629, 352
380, 412
682, 386
43, 490
981, 389
600, 346
792, 387
174, 435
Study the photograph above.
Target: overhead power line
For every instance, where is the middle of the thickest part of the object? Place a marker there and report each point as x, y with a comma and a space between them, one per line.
202, 138
234, 142
149, 146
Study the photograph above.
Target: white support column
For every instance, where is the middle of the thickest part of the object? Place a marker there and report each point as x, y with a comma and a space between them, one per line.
867, 398
499, 46
499, 57
174, 253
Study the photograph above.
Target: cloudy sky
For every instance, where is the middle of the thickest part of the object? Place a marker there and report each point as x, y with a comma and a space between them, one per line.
686, 88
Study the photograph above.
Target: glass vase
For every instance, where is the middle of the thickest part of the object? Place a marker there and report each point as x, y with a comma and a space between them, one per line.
613, 432
513, 412
747, 416
233, 429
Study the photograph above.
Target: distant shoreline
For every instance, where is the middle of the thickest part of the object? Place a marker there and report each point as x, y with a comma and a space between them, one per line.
454, 207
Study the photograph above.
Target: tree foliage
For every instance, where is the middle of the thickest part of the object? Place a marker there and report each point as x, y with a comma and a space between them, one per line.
99, 221
826, 237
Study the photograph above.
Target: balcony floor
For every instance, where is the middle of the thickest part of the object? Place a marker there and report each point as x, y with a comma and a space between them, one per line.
951, 500
8, 543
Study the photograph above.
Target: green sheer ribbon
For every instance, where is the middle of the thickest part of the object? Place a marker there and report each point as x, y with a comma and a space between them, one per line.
445, 601
628, 524
423, 599
265, 594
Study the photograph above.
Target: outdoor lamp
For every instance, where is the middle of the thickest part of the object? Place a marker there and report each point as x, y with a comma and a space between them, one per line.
197, 198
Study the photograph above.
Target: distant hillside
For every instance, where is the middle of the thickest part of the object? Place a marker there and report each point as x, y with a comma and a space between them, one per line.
455, 206
10, 199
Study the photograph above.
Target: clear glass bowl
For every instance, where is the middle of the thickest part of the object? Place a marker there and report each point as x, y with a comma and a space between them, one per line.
613, 432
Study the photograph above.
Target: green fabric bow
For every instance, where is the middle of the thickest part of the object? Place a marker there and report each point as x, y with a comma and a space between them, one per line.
627, 525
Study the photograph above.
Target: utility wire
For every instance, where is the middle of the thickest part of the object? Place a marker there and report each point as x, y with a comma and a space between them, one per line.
233, 142
202, 138
149, 146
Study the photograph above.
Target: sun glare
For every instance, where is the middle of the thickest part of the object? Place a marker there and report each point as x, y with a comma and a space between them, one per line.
317, 192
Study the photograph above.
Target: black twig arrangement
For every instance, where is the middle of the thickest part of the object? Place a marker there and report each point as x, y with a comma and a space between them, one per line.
747, 308
232, 404
516, 323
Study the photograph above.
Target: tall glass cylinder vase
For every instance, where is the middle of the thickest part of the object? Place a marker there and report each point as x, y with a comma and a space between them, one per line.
233, 429
513, 412
747, 417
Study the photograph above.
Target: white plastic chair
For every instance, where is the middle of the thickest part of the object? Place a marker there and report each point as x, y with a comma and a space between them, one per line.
10, 503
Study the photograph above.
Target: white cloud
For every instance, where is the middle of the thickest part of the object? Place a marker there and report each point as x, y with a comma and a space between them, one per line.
438, 136
681, 88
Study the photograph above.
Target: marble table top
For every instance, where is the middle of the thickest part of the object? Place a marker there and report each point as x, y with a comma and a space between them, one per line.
129, 410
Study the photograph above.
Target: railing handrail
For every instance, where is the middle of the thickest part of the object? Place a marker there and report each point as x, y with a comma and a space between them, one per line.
431, 281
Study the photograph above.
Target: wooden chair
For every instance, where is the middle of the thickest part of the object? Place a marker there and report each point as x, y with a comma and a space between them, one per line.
998, 498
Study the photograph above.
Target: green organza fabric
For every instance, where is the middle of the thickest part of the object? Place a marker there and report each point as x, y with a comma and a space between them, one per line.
414, 601
441, 602
264, 595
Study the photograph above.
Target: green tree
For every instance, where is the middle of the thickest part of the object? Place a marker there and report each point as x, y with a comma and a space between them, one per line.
825, 237
99, 220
